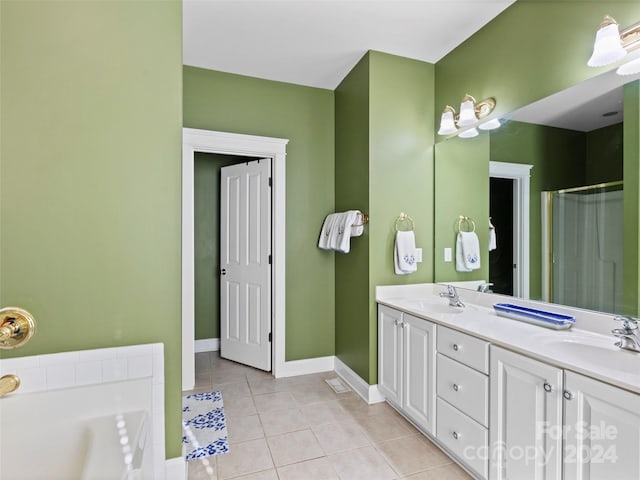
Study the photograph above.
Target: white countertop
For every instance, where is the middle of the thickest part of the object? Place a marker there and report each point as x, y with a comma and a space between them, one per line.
587, 348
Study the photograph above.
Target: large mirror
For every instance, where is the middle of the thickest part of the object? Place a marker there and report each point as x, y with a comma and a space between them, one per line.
580, 240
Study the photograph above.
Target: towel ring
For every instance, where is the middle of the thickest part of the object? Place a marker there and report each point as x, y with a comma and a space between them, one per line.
468, 221
403, 217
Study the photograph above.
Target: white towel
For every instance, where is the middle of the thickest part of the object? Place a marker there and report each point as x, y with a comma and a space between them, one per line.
492, 237
404, 253
325, 233
344, 223
467, 252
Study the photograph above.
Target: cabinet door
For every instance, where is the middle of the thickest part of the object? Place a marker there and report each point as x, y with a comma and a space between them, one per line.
602, 425
525, 417
390, 354
419, 371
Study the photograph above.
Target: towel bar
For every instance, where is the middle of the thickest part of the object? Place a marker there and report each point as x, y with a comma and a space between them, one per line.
364, 219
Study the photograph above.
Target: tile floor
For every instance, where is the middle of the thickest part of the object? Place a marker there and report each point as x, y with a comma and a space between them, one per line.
297, 428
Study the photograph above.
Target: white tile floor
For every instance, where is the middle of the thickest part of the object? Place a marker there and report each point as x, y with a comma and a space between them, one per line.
297, 428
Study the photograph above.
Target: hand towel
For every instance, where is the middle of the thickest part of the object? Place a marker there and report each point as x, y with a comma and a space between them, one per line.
335, 231
347, 219
467, 252
492, 237
404, 253
358, 228
325, 233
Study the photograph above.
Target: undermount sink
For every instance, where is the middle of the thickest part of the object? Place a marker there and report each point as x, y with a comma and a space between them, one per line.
597, 350
437, 305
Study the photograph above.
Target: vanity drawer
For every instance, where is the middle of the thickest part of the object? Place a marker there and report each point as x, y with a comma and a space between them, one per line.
466, 438
463, 387
463, 348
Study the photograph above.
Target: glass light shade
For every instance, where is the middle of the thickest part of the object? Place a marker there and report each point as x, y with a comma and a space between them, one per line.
472, 132
608, 47
447, 125
490, 125
467, 114
630, 68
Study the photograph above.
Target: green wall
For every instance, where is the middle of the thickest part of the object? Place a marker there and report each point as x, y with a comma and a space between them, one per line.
234, 103
462, 170
352, 335
631, 210
206, 200
604, 155
384, 135
90, 122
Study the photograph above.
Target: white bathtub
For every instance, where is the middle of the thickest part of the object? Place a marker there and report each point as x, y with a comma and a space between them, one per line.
86, 433
67, 420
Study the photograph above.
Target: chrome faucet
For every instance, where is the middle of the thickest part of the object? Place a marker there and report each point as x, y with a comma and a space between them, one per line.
629, 334
452, 295
485, 287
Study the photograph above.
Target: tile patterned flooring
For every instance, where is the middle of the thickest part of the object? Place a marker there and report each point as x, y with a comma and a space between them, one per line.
297, 428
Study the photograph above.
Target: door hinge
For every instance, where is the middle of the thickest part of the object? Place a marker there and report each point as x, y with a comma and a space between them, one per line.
270, 336
269, 259
270, 181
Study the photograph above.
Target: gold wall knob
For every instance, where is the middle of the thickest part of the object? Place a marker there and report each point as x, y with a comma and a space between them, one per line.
8, 384
17, 326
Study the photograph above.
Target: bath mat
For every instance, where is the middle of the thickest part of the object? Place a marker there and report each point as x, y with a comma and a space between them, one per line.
204, 430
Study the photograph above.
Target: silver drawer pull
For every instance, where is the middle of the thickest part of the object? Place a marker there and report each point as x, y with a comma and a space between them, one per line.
547, 387
455, 435
456, 387
567, 394
456, 347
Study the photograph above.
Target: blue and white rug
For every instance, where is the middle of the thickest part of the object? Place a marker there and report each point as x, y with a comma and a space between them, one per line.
204, 430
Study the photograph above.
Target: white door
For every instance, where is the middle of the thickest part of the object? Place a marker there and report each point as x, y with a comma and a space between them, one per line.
390, 354
245, 263
525, 418
419, 371
602, 425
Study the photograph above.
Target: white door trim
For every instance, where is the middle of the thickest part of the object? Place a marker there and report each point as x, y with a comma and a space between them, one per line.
520, 173
195, 140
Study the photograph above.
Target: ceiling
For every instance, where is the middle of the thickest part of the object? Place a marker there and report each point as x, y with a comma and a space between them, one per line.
317, 42
594, 103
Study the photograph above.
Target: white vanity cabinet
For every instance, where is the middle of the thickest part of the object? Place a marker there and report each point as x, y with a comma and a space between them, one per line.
406, 364
463, 397
602, 425
526, 417
549, 423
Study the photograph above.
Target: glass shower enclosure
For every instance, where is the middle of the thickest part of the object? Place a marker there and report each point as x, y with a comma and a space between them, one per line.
582, 233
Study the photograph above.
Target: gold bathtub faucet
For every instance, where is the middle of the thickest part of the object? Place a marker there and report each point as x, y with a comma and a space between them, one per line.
8, 383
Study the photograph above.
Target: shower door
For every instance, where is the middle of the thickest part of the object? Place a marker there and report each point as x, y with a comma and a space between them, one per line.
586, 247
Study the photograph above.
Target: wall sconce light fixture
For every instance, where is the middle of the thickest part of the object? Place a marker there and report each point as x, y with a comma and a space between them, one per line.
471, 112
612, 45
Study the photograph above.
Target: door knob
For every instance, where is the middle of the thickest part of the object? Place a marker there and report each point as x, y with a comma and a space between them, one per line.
223, 271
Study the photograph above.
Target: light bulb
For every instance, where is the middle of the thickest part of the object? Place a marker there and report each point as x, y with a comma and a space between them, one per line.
472, 132
467, 112
490, 125
607, 47
630, 68
447, 124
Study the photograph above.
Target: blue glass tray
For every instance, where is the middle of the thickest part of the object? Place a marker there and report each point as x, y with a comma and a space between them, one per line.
541, 318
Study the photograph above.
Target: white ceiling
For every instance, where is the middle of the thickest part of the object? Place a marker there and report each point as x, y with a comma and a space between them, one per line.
317, 42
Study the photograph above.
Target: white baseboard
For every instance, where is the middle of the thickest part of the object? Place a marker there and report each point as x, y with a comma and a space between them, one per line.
305, 366
207, 345
176, 469
369, 393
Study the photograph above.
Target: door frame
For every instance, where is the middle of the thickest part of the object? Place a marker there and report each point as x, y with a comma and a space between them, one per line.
520, 174
209, 141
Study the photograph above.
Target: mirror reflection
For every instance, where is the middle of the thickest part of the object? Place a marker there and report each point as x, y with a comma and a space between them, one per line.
575, 234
